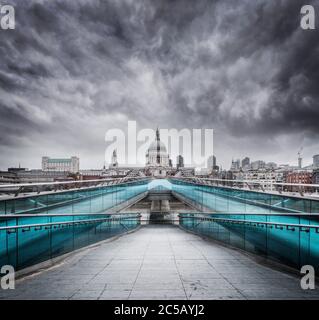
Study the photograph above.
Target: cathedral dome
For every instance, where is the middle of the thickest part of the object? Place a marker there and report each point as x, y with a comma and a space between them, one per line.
156, 154
157, 145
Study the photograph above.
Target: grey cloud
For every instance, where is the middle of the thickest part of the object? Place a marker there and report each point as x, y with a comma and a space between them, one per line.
73, 69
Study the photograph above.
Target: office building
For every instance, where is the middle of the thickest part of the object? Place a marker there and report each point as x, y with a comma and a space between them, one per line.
315, 162
211, 162
179, 162
245, 163
61, 165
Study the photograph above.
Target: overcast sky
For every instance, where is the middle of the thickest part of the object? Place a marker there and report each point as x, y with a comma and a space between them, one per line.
71, 70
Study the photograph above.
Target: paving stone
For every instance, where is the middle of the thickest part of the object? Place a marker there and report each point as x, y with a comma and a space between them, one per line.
87, 294
157, 294
115, 294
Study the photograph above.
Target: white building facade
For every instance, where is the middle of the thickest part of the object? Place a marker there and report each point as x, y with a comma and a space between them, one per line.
71, 165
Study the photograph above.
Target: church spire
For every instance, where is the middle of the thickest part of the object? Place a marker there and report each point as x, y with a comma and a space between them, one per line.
158, 156
157, 134
114, 163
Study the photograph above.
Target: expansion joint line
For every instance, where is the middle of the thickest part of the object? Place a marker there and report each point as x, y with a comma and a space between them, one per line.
220, 273
139, 271
180, 277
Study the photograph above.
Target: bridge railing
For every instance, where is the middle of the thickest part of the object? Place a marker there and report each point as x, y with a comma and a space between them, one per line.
266, 186
92, 199
205, 195
290, 239
26, 240
47, 187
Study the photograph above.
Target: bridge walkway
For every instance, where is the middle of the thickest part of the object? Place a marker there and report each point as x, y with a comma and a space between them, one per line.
159, 262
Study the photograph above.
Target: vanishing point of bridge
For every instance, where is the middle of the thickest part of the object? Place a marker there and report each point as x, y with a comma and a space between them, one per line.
156, 239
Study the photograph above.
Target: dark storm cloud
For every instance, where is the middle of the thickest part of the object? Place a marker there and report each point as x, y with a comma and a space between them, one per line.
73, 69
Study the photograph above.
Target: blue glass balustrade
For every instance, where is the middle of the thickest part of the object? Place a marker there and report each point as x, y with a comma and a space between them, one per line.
89, 200
34, 229
279, 227
29, 239
292, 240
226, 199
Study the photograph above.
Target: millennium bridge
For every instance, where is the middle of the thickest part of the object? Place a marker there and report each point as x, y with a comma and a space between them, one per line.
174, 238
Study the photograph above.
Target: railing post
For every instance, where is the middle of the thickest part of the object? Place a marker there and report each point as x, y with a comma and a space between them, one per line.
50, 237
17, 246
73, 235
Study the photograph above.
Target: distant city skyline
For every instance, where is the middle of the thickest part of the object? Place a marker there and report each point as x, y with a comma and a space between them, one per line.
38, 163
73, 76
227, 167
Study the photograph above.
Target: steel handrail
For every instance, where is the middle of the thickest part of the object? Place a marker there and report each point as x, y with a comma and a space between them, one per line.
270, 182
18, 215
47, 224
316, 227
256, 213
37, 184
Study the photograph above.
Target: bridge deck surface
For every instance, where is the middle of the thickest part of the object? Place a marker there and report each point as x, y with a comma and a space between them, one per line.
159, 262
